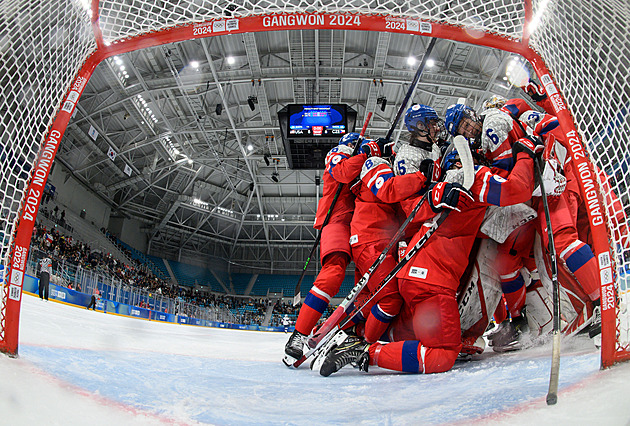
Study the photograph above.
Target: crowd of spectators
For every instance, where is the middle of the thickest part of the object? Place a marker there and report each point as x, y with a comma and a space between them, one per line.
62, 248
283, 308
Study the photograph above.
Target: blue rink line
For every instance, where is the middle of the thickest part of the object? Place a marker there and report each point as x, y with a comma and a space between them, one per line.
221, 391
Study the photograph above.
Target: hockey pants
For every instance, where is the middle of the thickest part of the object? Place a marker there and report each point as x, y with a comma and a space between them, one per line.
434, 318
386, 305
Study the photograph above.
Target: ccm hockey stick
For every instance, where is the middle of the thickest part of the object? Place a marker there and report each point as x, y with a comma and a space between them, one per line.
297, 292
331, 326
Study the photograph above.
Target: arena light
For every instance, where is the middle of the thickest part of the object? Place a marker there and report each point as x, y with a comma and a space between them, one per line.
411, 60
230, 60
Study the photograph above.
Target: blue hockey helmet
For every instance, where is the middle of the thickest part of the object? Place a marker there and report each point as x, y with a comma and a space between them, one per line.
454, 115
419, 114
349, 139
450, 159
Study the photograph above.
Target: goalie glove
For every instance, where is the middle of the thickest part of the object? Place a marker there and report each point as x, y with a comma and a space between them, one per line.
380, 147
536, 92
529, 145
451, 196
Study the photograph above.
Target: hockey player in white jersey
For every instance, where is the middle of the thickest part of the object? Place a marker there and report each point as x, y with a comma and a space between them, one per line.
426, 135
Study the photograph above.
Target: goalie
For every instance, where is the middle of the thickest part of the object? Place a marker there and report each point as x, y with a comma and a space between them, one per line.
494, 133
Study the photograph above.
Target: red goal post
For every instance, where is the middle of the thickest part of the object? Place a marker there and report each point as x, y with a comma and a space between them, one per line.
579, 52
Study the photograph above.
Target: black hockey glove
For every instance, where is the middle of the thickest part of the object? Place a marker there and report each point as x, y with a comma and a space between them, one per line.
430, 169
531, 146
377, 148
451, 196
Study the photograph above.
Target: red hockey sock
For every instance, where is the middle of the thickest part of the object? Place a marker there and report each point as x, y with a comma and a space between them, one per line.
500, 314
581, 262
310, 312
377, 322
411, 357
515, 301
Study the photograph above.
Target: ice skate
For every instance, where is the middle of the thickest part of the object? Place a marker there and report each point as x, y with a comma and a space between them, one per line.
508, 338
352, 351
595, 329
294, 349
496, 330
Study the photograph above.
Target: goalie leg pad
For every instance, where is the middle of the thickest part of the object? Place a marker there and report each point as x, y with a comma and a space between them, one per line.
539, 309
482, 294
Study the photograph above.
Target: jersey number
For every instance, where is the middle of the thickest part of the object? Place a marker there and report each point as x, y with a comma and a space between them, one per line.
401, 167
493, 136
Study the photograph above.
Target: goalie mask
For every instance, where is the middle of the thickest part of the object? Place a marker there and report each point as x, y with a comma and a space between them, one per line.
463, 120
425, 126
349, 139
495, 101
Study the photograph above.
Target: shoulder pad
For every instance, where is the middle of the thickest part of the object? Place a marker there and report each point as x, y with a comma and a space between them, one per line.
372, 163
531, 118
344, 149
496, 126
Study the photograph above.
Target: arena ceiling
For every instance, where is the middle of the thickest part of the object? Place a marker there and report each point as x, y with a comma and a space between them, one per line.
203, 167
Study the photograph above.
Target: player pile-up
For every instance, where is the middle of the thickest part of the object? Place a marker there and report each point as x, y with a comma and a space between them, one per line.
468, 224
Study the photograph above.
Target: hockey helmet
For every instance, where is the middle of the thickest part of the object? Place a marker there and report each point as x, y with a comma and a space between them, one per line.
496, 101
419, 114
454, 116
450, 159
349, 139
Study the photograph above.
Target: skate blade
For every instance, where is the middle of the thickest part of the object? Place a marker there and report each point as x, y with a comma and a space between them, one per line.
323, 352
514, 346
289, 361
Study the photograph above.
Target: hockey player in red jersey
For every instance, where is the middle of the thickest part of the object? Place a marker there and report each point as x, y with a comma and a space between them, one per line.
335, 252
494, 133
431, 333
374, 223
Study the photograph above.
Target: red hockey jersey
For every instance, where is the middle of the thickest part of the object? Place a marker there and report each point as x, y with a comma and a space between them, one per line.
442, 260
341, 167
376, 215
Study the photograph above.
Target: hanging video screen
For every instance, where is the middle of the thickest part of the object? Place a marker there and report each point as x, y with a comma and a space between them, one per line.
317, 121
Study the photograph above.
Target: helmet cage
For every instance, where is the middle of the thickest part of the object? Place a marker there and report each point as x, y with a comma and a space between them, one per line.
349, 139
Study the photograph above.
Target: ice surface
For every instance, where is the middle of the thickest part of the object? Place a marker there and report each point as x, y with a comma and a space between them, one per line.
82, 367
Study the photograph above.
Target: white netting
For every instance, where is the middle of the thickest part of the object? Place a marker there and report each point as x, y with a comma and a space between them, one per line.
42, 46
124, 19
585, 45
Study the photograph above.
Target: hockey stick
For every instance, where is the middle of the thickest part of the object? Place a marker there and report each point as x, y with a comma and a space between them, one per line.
552, 394
412, 88
297, 295
331, 326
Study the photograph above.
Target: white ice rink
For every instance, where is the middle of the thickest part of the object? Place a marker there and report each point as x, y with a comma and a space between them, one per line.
81, 367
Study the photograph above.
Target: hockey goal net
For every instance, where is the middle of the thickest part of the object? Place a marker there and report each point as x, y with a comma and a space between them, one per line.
579, 50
